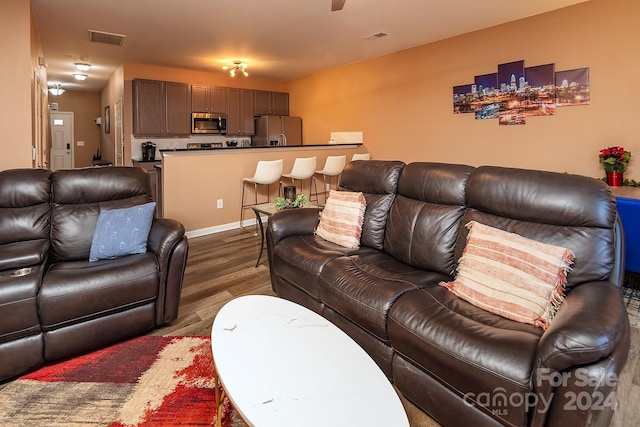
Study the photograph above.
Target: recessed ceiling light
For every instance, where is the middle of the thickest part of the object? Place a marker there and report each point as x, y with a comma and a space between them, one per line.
82, 66
79, 76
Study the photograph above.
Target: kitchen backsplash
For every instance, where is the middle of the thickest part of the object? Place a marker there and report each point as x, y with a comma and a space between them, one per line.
171, 143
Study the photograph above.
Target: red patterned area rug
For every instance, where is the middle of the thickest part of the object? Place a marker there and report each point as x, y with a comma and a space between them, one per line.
146, 381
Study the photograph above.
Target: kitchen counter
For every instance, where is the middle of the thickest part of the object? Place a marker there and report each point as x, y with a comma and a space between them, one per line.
203, 188
261, 147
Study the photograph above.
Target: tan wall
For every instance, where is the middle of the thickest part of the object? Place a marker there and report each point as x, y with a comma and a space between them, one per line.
194, 181
16, 75
403, 102
85, 108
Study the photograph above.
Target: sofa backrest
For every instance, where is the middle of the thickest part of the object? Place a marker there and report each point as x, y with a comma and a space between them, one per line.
378, 181
424, 219
571, 211
78, 197
25, 197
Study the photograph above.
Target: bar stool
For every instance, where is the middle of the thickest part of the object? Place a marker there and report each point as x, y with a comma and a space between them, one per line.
333, 166
361, 156
303, 169
267, 172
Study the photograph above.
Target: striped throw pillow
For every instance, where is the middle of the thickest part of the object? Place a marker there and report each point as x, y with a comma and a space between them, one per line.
512, 276
342, 217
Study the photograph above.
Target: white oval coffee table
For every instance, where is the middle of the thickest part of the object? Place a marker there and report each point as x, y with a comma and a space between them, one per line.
284, 365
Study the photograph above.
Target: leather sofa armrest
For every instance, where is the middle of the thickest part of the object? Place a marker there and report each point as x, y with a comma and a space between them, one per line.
164, 234
291, 222
588, 327
170, 246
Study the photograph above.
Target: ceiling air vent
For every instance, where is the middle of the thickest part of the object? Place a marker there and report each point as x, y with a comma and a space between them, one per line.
376, 36
106, 38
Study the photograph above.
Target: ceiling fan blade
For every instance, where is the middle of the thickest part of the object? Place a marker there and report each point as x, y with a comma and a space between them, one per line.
337, 5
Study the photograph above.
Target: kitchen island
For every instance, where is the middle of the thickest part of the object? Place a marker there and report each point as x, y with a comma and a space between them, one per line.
196, 181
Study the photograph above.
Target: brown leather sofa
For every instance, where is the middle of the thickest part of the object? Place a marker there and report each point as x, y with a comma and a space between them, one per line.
463, 365
67, 305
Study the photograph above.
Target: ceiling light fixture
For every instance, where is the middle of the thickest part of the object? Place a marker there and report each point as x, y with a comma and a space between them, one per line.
81, 66
237, 66
56, 89
80, 76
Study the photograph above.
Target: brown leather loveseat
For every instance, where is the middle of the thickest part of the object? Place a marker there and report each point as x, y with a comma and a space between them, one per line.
67, 305
459, 363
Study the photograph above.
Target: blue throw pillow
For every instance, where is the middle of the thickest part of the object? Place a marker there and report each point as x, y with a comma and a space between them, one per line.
121, 232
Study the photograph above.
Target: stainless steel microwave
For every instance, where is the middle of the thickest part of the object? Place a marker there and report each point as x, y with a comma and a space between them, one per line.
208, 123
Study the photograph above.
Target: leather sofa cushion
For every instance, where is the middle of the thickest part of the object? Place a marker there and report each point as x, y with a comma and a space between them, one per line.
580, 214
363, 287
424, 219
24, 217
304, 256
77, 291
24, 205
470, 350
18, 305
78, 197
377, 180
411, 228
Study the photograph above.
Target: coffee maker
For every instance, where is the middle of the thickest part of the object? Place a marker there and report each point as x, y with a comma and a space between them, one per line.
148, 151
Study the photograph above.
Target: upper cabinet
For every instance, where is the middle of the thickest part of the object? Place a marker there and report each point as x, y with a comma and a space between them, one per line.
271, 103
240, 114
161, 108
208, 99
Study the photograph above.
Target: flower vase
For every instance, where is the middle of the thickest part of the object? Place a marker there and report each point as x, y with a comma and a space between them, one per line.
614, 179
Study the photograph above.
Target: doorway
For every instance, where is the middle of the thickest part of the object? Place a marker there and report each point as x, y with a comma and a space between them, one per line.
119, 136
61, 140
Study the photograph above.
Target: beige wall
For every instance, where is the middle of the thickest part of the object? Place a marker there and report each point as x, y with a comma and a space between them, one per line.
17, 76
403, 102
85, 106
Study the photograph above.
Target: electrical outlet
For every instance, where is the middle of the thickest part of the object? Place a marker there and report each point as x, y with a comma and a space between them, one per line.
219, 203
328, 187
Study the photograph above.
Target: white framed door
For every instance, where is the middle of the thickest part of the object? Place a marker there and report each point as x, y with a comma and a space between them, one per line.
61, 140
36, 149
118, 136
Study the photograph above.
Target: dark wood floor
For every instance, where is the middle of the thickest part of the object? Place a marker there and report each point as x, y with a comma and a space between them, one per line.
221, 267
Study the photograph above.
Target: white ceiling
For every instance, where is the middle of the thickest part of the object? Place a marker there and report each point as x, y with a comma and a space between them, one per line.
278, 39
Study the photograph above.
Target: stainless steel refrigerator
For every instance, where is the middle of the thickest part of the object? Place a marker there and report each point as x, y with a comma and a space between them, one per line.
278, 130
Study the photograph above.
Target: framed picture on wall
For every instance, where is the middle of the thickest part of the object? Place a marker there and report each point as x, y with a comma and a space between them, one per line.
107, 119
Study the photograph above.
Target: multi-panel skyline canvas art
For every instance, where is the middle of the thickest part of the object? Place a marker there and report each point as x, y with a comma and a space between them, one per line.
515, 92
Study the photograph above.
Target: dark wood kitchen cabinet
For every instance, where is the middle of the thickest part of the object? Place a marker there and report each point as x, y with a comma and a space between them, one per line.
209, 99
271, 103
161, 108
240, 114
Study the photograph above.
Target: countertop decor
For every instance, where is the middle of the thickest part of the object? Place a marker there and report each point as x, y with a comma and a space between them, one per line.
615, 161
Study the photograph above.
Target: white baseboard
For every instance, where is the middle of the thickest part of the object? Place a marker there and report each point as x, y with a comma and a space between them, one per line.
250, 222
